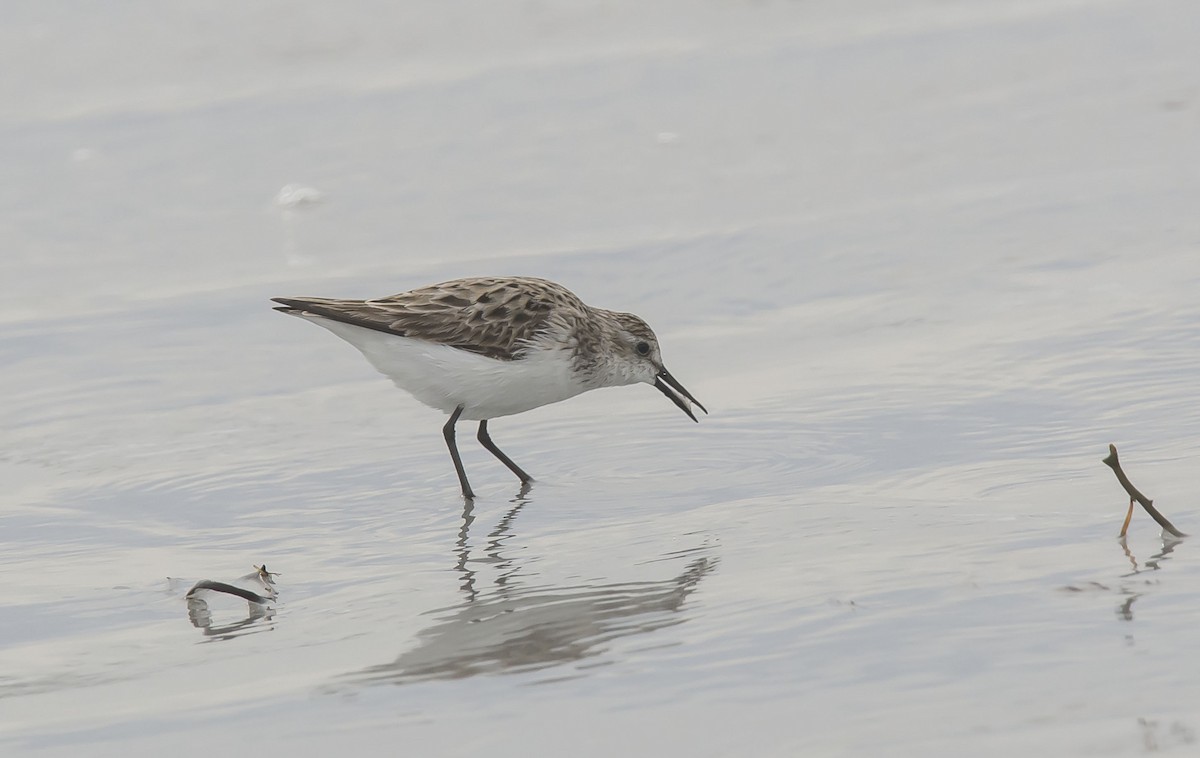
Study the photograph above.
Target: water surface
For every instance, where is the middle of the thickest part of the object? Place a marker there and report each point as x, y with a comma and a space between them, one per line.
922, 261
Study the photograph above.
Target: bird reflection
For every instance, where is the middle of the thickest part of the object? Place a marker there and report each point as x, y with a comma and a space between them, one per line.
494, 542
510, 627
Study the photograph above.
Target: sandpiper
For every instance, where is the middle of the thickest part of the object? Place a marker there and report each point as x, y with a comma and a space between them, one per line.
487, 347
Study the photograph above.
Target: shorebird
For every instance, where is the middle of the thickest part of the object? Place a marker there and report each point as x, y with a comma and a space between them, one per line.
487, 347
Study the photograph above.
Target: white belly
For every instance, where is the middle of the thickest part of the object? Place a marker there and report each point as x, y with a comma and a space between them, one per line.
446, 377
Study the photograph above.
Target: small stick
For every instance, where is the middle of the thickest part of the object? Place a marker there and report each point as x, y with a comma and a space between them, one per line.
1112, 462
1128, 517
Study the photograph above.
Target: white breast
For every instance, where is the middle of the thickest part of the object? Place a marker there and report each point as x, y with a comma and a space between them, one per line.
445, 377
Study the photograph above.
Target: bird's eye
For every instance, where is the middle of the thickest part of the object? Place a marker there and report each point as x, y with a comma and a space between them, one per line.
642, 348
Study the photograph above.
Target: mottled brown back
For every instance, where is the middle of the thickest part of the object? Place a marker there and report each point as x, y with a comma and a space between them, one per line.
492, 316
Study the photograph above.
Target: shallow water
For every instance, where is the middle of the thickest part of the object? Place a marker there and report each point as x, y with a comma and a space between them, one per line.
922, 261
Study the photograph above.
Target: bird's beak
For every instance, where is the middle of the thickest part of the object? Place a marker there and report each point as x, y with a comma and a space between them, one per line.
670, 386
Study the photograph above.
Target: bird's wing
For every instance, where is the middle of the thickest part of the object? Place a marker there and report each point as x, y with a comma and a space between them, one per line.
496, 317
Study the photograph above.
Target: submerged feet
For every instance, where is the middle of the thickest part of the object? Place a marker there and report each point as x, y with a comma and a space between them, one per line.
485, 439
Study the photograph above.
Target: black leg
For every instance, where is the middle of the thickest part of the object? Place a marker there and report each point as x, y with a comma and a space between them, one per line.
448, 433
486, 441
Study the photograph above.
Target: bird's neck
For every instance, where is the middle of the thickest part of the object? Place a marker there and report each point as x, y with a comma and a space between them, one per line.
596, 352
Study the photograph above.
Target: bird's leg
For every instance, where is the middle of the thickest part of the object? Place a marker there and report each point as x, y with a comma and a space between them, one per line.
448, 433
486, 441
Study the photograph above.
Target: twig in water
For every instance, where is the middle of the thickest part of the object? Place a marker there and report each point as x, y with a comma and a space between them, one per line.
1128, 518
1115, 464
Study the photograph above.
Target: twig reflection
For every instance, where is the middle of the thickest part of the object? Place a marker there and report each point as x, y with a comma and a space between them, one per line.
1153, 563
202, 618
256, 589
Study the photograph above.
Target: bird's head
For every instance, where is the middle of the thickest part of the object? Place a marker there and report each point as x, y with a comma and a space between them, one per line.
639, 359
